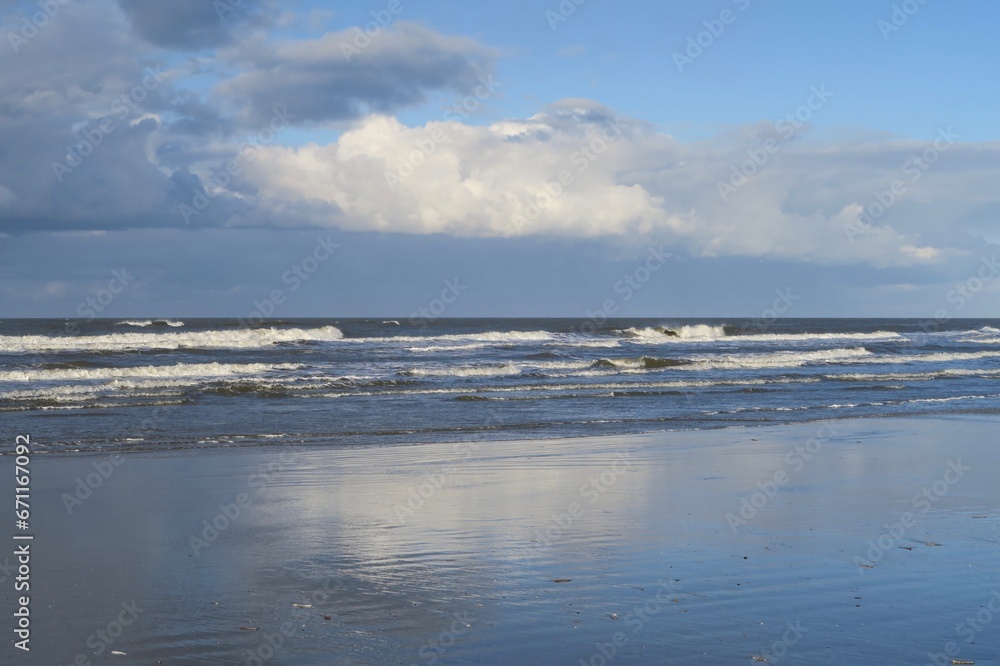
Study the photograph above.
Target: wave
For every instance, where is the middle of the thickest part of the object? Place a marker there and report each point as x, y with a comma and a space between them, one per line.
913, 376
875, 336
45, 405
150, 322
711, 333
244, 338
179, 370
643, 362
69, 365
494, 369
697, 332
441, 348
508, 337
782, 359
938, 357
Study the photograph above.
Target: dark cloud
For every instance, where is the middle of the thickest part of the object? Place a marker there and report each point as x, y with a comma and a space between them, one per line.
89, 141
190, 24
340, 76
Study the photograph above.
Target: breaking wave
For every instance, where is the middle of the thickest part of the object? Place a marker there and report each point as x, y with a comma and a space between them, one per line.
216, 339
150, 322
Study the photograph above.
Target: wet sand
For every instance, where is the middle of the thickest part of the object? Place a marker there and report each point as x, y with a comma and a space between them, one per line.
865, 541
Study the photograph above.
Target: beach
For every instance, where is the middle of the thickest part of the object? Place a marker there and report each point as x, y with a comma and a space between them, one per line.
865, 541
549, 333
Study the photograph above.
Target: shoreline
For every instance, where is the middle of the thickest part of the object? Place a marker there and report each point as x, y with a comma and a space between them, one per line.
970, 415
531, 551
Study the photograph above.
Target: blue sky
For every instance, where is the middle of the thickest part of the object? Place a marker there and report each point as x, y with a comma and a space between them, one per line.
583, 147
933, 70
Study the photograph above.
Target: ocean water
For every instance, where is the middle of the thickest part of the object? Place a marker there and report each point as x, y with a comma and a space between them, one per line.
166, 384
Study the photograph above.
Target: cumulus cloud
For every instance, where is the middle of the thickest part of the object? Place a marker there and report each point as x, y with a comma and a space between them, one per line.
573, 170
577, 170
123, 142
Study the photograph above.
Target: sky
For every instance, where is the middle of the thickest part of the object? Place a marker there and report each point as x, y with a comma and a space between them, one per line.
582, 158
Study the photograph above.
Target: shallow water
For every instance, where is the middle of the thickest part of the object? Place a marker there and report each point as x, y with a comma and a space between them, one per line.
493, 526
152, 385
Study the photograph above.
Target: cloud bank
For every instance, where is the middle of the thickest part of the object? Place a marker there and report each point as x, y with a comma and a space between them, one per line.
185, 118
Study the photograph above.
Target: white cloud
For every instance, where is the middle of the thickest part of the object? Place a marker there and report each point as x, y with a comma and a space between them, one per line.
624, 179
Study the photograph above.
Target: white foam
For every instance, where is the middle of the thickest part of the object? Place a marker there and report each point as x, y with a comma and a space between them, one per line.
559, 388
496, 370
795, 337
456, 347
695, 333
710, 333
215, 339
149, 322
853, 355
201, 370
939, 357
782, 359
701, 332
509, 337
916, 376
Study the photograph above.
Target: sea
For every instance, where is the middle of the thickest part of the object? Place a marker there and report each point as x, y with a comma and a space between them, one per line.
161, 384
